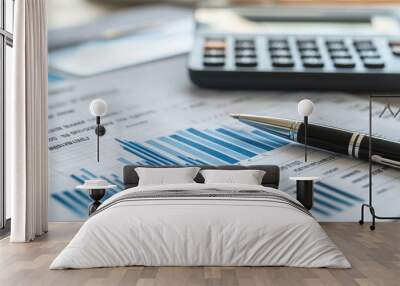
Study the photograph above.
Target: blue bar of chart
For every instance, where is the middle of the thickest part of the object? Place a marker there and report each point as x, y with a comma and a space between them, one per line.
199, 147
329, 200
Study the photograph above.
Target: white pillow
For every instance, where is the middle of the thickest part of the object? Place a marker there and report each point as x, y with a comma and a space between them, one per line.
166, 176
248, 177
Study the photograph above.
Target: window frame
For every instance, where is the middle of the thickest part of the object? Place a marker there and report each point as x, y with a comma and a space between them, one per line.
6, 39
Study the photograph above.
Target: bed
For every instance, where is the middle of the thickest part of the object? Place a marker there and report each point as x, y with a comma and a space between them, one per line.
197, 224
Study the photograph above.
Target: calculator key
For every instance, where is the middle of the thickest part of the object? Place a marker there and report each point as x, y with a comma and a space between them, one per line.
245, 40
308, 46
374, 63
344, 63
280, 53
310, 54
214, 53
214, 44
369, 54
313, 63
214, 62
340, 55
244, 47
301, 42
334, 42
278, 46
244, 44
363, 42
364, 46
279, 41
246, 62
282, 62
337, 47
246, 53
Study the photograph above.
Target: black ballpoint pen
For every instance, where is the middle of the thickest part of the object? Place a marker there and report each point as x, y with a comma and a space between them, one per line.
327, 138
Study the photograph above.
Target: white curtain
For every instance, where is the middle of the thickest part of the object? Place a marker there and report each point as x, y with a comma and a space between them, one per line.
26, 122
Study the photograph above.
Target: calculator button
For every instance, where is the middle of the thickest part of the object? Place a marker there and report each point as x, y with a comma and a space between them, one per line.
214, 44
340, 55
334, 42
337, 47
282, 62
246, 53
306, 42
278, 46
369, 54
365, 48
374, 63
244, 47
214, 62
279, 41
244, 44
247, 40
310, 54
343, 63
214, 53
246, 62
280, 53
363, 42
313, 63
364, 45
308, 46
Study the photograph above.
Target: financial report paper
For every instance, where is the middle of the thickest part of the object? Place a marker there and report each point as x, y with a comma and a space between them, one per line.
157, 117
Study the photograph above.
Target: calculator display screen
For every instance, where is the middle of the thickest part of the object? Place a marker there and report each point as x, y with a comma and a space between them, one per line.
225, 20
309, 26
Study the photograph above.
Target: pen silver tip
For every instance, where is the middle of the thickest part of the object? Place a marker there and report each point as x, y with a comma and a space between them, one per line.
266, 123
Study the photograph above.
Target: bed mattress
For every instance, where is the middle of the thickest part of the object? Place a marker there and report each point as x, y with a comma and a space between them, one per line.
201, 225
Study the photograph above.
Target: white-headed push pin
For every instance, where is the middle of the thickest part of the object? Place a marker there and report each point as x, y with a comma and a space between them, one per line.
305, 108
98, 108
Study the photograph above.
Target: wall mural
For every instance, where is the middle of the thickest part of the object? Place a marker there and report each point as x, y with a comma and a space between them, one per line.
157, 117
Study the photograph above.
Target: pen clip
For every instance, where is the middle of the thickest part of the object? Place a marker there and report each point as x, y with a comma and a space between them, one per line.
385, 161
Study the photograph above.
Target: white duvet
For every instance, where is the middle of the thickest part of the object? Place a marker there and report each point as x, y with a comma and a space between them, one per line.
200, 231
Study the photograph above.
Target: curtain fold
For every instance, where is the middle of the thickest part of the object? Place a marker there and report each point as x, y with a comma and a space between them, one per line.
26, 119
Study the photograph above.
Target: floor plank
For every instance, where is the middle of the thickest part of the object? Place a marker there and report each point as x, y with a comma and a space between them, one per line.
375, 257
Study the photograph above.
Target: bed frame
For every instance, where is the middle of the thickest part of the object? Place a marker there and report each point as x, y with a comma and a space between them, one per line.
270, 179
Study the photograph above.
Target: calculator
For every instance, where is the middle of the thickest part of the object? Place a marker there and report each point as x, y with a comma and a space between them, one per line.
335, 51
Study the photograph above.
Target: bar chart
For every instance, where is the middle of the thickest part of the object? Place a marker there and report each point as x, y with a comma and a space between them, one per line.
202, 147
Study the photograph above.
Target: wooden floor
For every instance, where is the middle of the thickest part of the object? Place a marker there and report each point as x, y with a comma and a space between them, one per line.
375, 257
